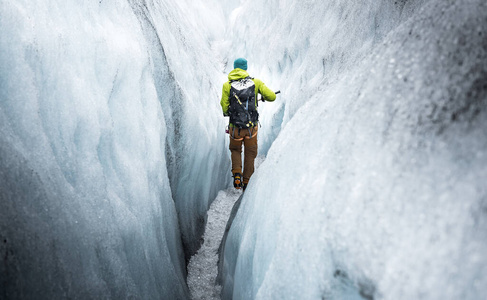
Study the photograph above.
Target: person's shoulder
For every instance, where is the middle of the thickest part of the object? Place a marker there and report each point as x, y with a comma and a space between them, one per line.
257, 81
226, 87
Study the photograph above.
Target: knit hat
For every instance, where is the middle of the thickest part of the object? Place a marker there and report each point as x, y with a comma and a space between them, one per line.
240, 63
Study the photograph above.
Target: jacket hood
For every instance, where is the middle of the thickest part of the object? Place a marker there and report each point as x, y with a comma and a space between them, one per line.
236, 74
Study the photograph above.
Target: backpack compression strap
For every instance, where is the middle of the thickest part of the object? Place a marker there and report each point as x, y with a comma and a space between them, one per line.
246, 110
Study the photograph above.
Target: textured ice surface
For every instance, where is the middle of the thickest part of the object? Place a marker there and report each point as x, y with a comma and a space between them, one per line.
300, 47
180, 37
110, 130
375, 186
101, 107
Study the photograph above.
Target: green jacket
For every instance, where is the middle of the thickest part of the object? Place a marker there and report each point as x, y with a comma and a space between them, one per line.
260, 88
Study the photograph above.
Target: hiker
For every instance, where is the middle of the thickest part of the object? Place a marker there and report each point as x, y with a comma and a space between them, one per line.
239, 102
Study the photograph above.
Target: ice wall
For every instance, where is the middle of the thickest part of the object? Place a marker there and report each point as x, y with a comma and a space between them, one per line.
198, 163
375, 186
107, 130
300, 47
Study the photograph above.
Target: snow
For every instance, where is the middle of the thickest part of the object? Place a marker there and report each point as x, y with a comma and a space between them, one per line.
203, 266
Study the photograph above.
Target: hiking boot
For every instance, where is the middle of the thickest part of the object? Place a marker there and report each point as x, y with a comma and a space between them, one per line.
237, 181
244, 185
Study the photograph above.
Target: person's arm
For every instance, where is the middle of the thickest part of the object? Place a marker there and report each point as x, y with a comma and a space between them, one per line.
267, 93
225, 102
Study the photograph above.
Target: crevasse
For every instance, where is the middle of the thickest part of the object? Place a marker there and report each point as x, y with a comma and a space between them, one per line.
112, 148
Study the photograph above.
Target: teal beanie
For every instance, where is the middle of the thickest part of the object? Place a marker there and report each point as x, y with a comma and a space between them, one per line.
240, 63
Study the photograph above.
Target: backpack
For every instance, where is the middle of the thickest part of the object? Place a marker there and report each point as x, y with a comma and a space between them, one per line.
243, 109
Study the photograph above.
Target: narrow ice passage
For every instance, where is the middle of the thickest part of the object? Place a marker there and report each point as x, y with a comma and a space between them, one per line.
202, 268
112, 149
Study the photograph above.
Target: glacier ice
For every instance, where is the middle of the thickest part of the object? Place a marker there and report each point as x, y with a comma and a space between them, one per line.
375, 185
100, 107
112, 148
197, 161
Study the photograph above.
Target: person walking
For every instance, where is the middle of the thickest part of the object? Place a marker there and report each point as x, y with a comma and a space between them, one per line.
239, 102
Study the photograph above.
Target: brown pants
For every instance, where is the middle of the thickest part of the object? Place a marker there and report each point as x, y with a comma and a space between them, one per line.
249, 138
